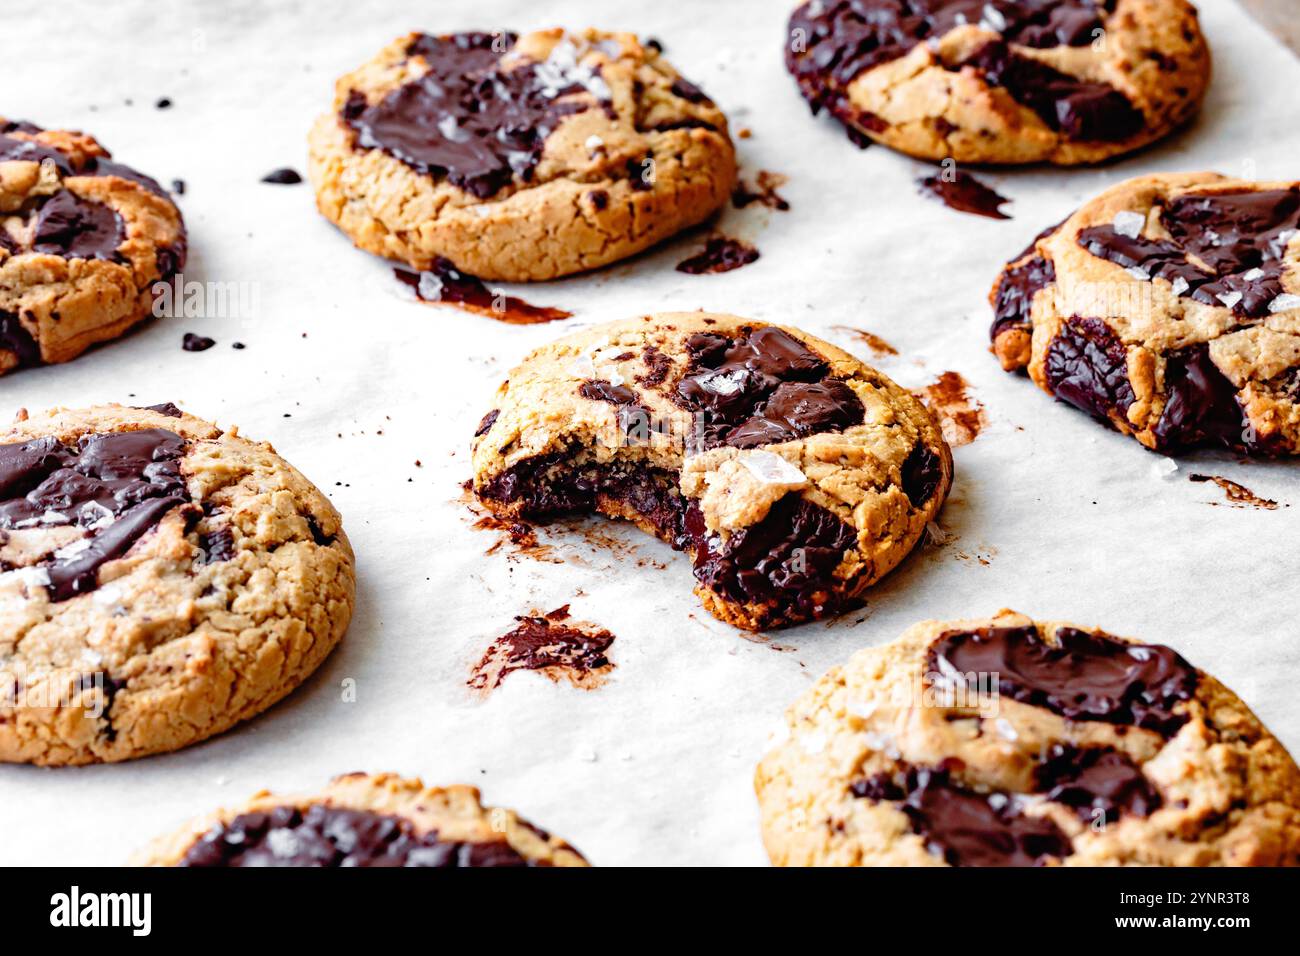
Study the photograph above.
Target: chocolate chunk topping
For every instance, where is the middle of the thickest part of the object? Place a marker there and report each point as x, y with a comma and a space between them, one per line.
217, 546
544, 644
1096, 782
469, 119
1086, 365
1083, 111
789, 558
1237, 239
444, 283
77, 228
99, 166
964, 193
1016, 291
1085, 677
127, 479
764, 387
192, 342
720, 254
12, 148
333, 836
1201, 406
634, 418
15, 338
968, 828
283, 177
164, 408
922, 473
831, 43
488, 421
689, 91
657, 364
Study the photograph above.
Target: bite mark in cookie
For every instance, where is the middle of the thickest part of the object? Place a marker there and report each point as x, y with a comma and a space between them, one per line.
776, 461
1164, 308
518, 157
1008, 81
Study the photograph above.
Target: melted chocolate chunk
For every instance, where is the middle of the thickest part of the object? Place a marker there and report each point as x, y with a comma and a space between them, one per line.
1238, 240
132, 478
720, 254
487, 422
689, 91
657, 364
764, 387
191, 342
965, 193
1096, 782
788, 559
967, 828
163, 408
444, 283
831, 43
333, 836
99, 166
283, 177
1201, 407
77, 228
543, 643
1086, 677
1083, 111
1016, 291
633, 417
217, 546
922, 473
15, 338
1086, 366
468, 119
12, 148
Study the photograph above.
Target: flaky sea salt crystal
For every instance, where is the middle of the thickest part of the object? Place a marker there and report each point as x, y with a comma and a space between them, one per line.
583, 367
1129, 223
107, 595
1005, 730
614, 378
771, 469
1180, 285
594, 142
725, 383
1230, 300
1283, 302
451, 130
73, 549
282, 843
32, 577
993, 19
1163, 467
1253, 274
1138, 273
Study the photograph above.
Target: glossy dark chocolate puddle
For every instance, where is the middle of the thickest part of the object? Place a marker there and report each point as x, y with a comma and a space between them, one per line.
444, 284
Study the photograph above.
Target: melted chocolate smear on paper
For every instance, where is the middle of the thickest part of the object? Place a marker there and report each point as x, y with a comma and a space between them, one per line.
963, 192
960, 416
763, 192
1239, 496
444, 284
720, 254
574, 651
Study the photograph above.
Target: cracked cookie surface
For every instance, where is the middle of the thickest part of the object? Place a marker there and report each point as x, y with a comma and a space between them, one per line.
160, 581
1006, 81
518, 158
1168, 308
793, 475
362, 820
83, 239
1010, 742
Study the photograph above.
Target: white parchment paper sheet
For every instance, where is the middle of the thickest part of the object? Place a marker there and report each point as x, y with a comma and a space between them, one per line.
353, 383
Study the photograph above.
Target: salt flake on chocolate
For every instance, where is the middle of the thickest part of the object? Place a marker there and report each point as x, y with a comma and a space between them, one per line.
771, 469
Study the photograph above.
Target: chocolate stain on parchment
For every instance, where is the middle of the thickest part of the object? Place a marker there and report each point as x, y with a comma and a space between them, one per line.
1238, 495
518, 536
959, 415
878, 346
443, 284
551, 644
763, 192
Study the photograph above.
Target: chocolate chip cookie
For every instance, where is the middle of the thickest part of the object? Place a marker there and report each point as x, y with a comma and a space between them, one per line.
1002, 81
363, 820
83, 239
1009, 742
518, 158
160, 581
792, 474
1167, 308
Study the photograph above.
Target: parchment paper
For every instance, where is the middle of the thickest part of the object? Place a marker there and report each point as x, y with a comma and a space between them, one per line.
354, 383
